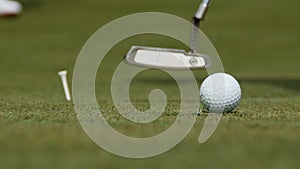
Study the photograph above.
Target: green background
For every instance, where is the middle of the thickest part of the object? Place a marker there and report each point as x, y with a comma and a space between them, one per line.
258, 42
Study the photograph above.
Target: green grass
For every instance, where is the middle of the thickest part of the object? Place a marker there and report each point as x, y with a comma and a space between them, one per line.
258, 42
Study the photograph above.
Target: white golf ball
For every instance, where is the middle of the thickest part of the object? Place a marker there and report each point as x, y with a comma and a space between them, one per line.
220, 92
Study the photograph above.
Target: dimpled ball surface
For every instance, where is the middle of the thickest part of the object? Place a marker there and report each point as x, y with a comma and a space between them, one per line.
220, 92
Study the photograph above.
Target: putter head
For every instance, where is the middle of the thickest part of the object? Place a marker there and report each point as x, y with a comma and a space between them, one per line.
164, 58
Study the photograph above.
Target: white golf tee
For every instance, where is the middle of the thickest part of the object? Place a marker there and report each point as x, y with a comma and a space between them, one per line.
63, 77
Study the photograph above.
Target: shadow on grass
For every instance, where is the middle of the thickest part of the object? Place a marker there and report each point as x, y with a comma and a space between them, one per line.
290, 84
28, 4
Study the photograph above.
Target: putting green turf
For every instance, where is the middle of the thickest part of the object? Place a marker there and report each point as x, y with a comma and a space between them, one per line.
258, 42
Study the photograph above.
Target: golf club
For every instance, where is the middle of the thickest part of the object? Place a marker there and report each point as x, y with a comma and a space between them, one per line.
165, 58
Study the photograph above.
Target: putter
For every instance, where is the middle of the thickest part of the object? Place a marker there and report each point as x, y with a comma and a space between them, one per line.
164, 58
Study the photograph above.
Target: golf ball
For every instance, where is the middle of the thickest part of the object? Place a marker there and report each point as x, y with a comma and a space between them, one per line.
220, 93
